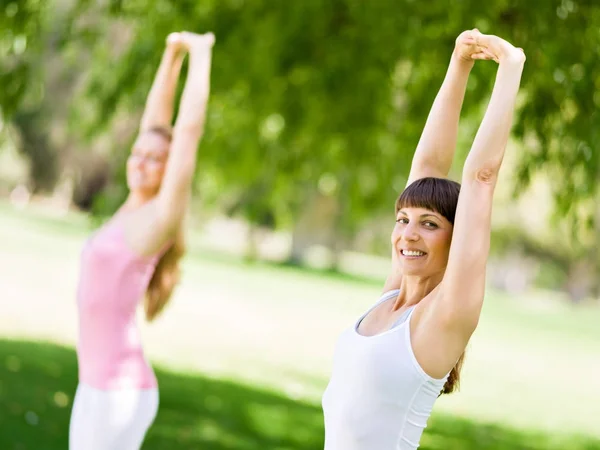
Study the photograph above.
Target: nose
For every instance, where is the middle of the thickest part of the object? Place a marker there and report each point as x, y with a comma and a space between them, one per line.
410, 233
138, 163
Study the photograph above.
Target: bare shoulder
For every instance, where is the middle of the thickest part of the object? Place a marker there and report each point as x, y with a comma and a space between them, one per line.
144, 232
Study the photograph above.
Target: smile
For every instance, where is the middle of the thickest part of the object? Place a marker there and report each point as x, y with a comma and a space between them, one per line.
412, 253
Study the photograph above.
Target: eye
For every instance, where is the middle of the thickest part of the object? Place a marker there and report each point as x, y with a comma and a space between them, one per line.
402, 220
430, 224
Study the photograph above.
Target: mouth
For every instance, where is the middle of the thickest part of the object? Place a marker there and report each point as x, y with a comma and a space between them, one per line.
412, 254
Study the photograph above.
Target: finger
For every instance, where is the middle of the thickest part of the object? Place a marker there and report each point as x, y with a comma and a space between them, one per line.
491, 56
173, 37
210, 37
464, 36
486, 51
494, 57
482, 39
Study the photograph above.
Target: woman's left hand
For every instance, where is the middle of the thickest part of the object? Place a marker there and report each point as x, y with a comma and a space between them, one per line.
466, 46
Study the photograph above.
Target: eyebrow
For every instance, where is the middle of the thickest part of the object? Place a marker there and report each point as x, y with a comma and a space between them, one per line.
421, 216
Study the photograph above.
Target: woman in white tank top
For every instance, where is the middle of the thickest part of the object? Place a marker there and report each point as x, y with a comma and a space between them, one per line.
394, 362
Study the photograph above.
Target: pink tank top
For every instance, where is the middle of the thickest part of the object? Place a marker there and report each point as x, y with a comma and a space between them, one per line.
113, 280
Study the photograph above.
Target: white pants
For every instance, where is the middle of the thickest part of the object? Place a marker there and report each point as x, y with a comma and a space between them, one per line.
111, 420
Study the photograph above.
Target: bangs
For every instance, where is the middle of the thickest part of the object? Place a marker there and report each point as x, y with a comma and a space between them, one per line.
436, 194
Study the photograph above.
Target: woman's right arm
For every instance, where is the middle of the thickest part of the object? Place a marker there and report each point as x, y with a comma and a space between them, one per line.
158, 111
435, 150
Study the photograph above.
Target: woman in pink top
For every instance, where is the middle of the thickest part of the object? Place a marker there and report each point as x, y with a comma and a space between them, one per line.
136, 254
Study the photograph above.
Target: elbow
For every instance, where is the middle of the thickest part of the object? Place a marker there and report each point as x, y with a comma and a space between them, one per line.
486, 174
482, 167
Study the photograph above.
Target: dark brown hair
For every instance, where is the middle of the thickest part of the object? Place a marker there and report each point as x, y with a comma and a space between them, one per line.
165, 278
436, 194
439, 195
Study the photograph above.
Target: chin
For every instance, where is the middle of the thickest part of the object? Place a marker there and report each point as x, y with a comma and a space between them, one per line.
407, 270
145, 191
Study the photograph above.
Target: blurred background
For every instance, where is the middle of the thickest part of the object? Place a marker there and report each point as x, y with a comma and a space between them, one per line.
315, 111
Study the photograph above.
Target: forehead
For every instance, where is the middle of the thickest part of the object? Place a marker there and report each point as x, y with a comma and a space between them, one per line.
151, 143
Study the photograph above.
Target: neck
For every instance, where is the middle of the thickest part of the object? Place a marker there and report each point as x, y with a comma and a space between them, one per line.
135, 199
413, 289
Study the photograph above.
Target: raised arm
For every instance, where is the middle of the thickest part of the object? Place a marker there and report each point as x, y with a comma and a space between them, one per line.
176, 186
160, 102
464, 280
445, 327
435, 150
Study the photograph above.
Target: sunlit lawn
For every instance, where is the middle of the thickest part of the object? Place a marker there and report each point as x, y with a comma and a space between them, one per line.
244, 352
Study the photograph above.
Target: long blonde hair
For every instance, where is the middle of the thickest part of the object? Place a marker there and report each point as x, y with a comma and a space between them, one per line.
167, 272
166, 276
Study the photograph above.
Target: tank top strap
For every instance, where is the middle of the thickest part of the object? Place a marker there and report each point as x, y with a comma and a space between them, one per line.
387, 295
384, 297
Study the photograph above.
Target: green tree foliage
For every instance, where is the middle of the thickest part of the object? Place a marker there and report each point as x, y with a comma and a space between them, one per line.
334, 95
313, 98
21, 23
37, 76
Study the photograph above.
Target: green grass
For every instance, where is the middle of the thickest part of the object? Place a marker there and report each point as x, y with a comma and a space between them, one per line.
244, 352
198, 412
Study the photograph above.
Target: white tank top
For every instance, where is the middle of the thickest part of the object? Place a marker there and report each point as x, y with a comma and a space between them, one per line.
378, 396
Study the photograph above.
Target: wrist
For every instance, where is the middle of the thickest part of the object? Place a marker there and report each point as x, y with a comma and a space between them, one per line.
175, 51
462, 63
512, 59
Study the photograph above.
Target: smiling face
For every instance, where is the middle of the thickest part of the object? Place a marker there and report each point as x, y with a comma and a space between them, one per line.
424, 222
421, 240
146, 164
